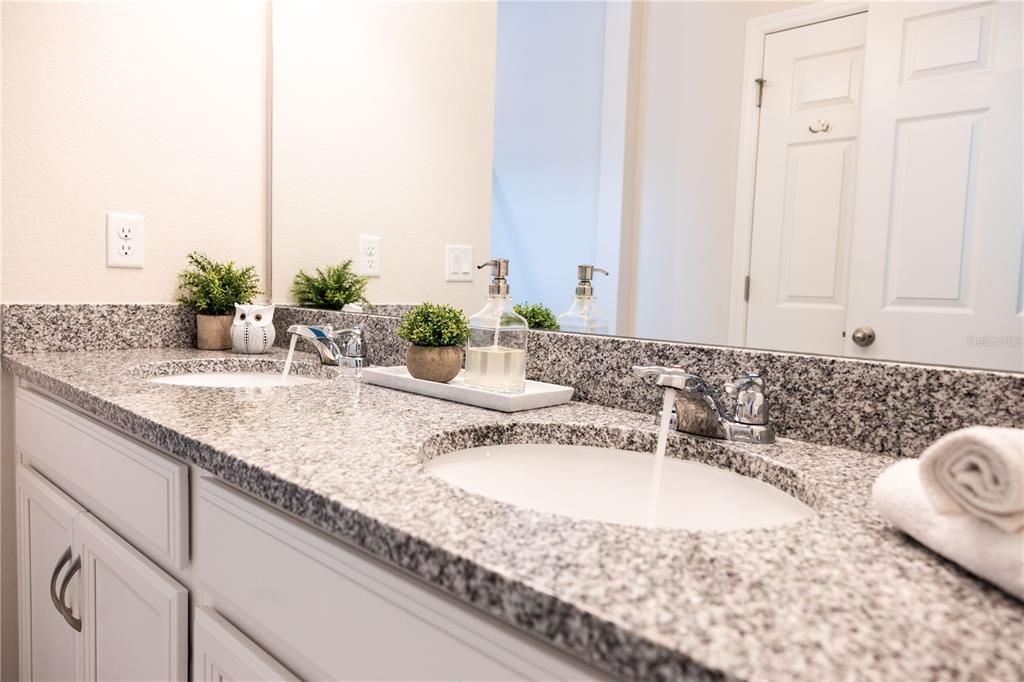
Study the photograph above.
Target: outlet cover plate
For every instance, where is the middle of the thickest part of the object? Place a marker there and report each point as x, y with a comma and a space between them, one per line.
368, 262
126, 240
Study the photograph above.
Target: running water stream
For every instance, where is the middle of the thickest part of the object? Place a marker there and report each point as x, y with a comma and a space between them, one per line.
667, 404
288, 362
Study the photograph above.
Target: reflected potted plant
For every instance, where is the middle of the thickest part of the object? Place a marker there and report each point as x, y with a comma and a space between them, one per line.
212, 289
436, 336
537, 316
330, 288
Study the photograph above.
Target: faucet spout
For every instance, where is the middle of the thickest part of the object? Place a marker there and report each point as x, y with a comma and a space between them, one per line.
337, 347
702, 414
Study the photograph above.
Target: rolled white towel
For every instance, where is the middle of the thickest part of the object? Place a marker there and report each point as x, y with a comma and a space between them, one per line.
977, 545
978, 470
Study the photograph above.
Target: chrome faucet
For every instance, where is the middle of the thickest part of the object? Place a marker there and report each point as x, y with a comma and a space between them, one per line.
338, 347
698, 412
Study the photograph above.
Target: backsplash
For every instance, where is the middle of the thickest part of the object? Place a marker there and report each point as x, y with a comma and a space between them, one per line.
39, 327
878, 407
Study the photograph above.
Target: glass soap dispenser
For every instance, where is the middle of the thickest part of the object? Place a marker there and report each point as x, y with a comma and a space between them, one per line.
496, 353
583, 315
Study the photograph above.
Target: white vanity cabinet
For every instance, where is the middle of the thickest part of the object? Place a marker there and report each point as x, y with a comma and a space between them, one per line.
111, 582
92, 607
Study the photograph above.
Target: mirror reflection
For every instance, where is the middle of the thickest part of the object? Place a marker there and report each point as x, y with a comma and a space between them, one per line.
832, 178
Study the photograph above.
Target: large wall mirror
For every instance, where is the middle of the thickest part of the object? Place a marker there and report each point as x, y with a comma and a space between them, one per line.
833, 178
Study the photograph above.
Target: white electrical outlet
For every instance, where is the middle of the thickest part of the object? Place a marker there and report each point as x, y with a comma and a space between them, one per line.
458, 263
369, 255
125, 240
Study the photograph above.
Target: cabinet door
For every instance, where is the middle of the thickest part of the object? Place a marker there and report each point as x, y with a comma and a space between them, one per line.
45, 520
134, 616
221, 653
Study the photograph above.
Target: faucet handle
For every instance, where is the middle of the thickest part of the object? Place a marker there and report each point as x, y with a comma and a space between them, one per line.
751, 400
673, 377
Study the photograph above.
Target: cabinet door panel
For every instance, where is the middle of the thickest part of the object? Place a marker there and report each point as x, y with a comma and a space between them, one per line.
45, 520
221, 653
134, 617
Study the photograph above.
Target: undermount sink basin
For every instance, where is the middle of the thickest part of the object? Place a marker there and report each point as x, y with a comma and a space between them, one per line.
235, 379
618, 486
259, 373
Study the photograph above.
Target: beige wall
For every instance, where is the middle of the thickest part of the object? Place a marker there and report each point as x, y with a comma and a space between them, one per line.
383, 125
152, 107
689, 145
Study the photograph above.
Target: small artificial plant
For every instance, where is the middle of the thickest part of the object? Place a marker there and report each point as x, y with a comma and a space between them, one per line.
537, 316
212, 288
330, 288
430, 324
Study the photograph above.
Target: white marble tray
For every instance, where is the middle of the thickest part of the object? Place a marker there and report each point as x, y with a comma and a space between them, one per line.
537, 393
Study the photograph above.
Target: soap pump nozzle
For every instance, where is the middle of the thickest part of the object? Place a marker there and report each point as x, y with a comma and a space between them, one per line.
585, 274
499, 271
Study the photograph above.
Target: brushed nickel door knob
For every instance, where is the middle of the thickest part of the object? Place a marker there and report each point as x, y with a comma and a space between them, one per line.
863, 336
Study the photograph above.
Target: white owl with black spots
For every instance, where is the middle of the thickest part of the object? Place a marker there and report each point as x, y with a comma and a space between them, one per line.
253, 328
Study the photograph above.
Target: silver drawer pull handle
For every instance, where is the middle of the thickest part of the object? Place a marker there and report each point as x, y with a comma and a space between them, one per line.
822, 126
64, 559
69, 617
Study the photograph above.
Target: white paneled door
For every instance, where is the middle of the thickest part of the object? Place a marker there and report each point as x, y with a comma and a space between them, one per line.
134, 616
804, 198
45, 526
939, 229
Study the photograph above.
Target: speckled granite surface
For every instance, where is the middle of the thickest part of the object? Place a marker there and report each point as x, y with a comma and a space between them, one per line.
839, 597
878, 407
41, 327
881, 407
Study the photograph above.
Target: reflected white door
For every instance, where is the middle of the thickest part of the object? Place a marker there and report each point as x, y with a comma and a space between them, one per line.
937, 250
804, 197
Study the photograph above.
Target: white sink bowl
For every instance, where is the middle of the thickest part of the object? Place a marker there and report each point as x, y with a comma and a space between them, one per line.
235, 379
617, 486
259, 374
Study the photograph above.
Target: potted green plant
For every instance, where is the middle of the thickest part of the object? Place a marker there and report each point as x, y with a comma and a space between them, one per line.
330, 288
537, 316
436, 336
212, 289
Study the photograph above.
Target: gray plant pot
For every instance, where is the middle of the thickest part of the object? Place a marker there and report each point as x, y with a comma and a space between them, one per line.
213, 332
434, 363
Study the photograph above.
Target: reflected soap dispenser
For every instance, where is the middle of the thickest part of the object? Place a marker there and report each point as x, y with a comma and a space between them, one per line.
496, 353
583, 315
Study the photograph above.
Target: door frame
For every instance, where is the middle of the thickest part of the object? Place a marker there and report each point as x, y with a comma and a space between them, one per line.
758, 29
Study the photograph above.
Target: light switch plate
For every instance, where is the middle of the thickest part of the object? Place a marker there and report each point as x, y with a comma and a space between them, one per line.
458, 263
126, 240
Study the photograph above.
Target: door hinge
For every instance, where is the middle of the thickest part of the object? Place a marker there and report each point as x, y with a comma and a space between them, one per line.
746, 288
760, 90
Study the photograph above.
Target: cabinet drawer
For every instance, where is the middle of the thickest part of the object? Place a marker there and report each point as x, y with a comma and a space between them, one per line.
328, 611
139, 492
221, 652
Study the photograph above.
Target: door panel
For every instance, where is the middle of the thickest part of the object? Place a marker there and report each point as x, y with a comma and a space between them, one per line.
135, 617
939, 231
803, 206
45, 520
933, 195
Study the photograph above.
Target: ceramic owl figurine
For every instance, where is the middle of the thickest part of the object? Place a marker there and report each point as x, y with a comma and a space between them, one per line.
253, 328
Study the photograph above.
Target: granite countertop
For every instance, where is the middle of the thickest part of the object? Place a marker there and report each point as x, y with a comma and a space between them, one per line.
839, 596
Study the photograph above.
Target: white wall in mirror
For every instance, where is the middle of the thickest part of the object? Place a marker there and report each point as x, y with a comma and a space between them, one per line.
383, 124
693, 57
628, 135
547, 144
